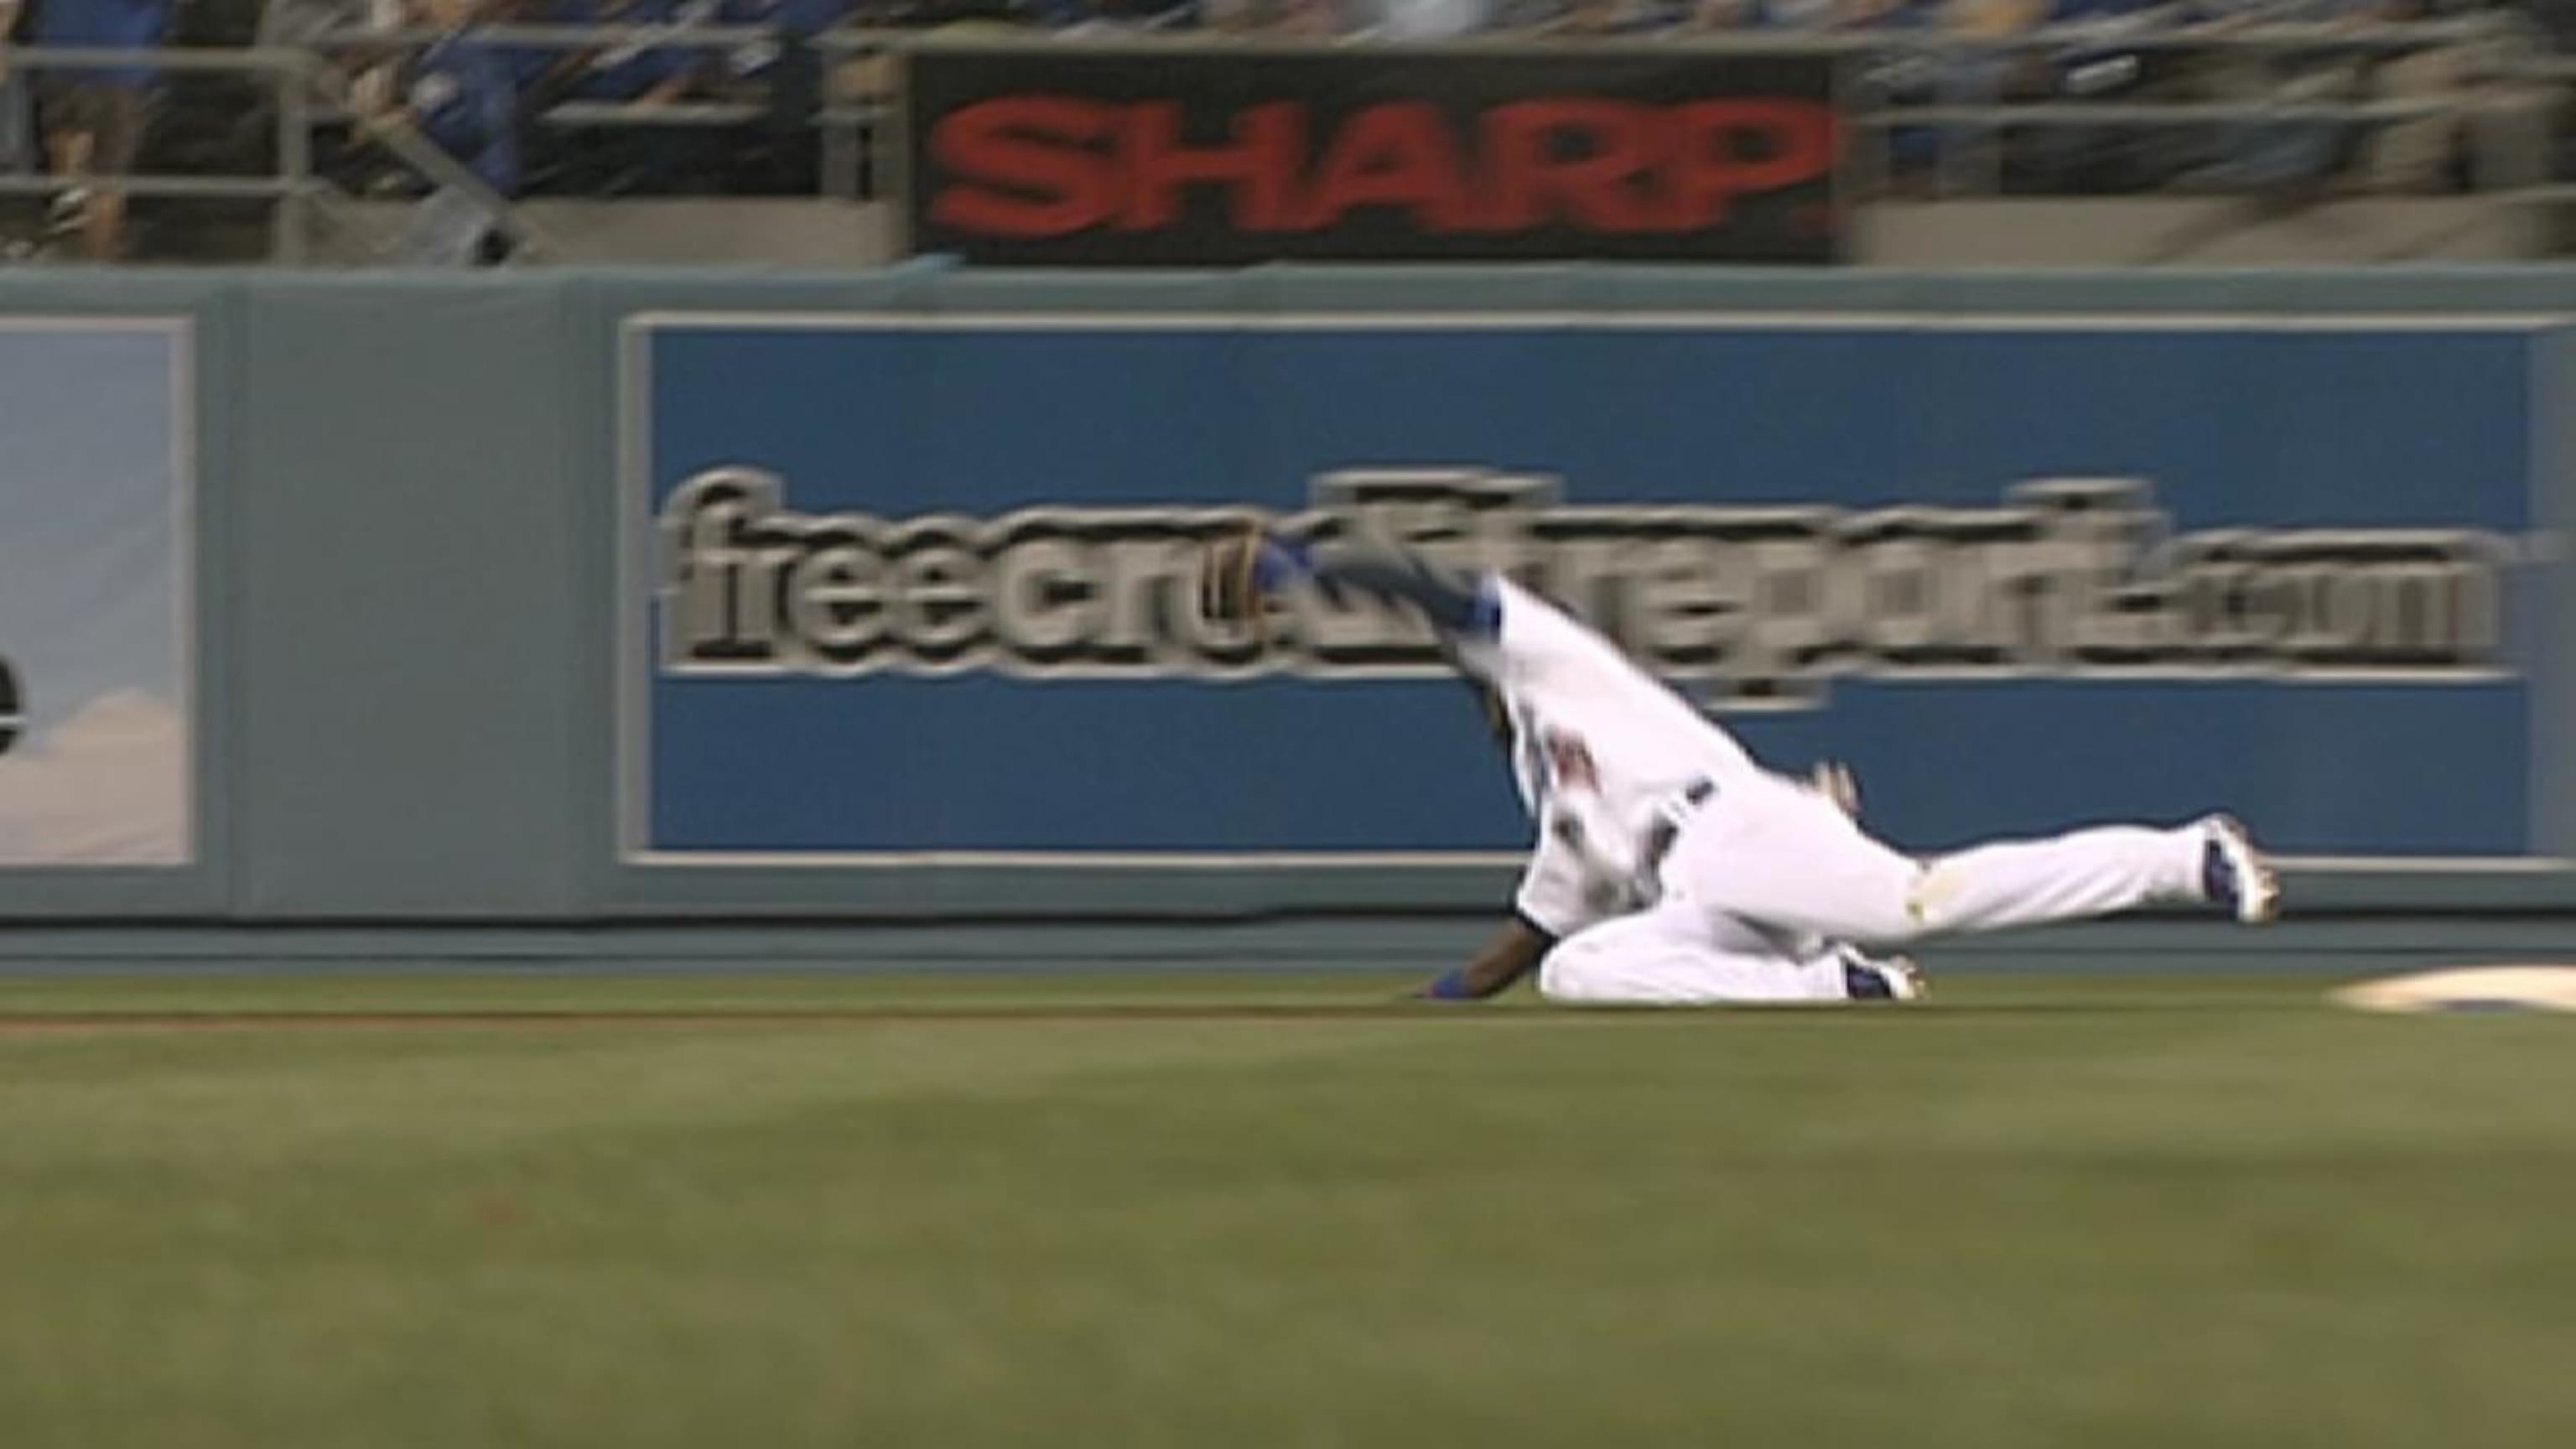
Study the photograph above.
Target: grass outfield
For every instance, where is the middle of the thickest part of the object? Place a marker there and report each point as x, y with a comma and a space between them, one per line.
1238, 1213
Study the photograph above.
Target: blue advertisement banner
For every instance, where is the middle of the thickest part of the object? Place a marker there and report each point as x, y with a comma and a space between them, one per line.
905, 587
97, 532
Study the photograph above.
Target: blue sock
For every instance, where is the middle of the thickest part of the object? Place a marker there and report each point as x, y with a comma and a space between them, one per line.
1866, 983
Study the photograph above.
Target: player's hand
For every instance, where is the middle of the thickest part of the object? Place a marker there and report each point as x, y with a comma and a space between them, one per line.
1449, 988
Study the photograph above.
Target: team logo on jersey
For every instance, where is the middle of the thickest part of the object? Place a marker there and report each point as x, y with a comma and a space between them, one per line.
2066, 577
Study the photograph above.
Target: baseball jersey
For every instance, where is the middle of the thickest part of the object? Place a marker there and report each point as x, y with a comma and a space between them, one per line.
1572, 696
467, 102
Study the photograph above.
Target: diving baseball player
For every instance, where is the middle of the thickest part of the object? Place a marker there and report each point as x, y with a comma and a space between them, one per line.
1671, 868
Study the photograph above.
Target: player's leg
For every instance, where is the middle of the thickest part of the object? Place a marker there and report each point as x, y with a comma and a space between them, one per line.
1764, 849
1769, 850
2097, 872
1663, 957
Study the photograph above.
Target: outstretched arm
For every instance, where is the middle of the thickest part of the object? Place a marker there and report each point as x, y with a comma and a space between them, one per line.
1510, 955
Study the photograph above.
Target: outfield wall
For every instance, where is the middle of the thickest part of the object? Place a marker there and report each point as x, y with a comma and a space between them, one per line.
628, 597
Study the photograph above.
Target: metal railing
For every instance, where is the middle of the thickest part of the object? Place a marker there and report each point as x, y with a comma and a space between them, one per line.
845, 125
1959, 119
289, 185
849, 116
308, 89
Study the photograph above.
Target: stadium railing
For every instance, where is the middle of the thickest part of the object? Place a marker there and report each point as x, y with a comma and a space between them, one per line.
1947, 130
285, 75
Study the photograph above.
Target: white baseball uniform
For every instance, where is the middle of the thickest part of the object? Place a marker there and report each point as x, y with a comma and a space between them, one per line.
1589, 873
1762, 874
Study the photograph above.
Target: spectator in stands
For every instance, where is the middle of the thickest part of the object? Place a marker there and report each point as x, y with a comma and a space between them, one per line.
14, 144
784, 76
541, 74
2279, 156
94, 118
1928, 159
1896, 74
327, 27
540, 71
795, 22
461, 98
639, 72
2427, 153
644, 67
2102, 63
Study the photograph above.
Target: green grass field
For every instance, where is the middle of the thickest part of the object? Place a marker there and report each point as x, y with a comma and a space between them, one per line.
1236, 1213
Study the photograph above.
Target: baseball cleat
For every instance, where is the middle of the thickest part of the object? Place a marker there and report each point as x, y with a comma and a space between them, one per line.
1889, 978
2234, 874
1906, 978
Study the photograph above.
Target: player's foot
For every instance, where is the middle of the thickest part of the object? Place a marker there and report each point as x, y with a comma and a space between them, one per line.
1238, 575
2234, 874
1888, 978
